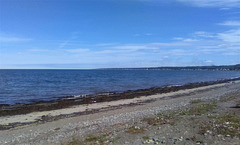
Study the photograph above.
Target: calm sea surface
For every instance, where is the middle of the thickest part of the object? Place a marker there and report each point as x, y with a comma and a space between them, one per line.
27, 86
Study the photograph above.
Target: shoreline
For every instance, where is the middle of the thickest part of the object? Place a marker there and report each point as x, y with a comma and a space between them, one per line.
36, 116
68, 101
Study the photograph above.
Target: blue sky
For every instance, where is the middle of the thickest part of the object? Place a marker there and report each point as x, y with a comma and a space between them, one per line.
118, 33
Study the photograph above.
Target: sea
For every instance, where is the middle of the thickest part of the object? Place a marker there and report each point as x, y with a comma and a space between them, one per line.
29, 86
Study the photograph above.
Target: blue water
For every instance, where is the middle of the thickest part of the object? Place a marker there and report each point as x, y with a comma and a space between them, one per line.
27, 86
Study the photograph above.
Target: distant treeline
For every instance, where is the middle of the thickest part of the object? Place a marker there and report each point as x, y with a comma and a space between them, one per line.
221, 67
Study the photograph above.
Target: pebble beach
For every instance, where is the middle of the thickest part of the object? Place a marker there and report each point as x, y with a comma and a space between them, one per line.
168, 118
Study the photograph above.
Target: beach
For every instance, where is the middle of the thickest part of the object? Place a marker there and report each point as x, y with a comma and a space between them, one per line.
126, 120
119, 72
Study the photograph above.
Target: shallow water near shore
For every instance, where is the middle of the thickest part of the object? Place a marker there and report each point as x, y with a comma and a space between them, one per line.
28, 86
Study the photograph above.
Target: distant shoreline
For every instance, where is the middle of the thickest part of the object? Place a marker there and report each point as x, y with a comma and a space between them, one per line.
212, 67
217, 68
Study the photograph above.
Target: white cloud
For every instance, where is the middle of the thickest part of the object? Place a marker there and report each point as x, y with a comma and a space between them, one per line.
224, 9
131, 46
81, 50
178, 38
13, 39
203, 34
106, 44
125, 48
232, 53
64, 44
38, 50
181, 52
208, 61
137, 35
231, 36
147, 46
200, 43
148, 34
190, 40
213, 3
171, 44
230, 23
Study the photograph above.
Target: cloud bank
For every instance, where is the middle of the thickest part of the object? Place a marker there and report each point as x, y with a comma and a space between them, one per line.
213, 3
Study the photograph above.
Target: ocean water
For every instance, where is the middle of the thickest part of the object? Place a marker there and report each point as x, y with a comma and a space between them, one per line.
27, 86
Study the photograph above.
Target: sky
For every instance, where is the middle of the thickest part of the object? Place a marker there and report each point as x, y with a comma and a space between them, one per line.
85, 34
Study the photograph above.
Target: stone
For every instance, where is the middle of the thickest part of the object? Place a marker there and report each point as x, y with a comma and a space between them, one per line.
163, 141
181, 138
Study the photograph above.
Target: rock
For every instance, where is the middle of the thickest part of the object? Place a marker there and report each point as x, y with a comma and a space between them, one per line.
181, 138
150, 141
136, 127
163, 141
